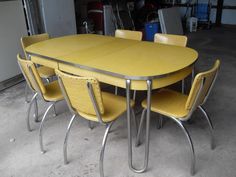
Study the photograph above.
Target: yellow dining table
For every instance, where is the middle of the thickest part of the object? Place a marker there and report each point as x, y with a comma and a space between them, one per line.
130, 64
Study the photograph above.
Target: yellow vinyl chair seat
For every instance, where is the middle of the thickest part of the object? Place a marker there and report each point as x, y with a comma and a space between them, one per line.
53, 92
45, 72
114, 106
168, 103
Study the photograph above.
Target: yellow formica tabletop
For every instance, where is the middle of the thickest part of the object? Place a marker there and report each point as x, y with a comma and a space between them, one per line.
114, 60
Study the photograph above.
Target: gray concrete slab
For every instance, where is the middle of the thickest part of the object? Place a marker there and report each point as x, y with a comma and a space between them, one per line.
169, 154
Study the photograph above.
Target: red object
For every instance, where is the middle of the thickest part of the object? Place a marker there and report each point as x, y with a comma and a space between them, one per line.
95, 13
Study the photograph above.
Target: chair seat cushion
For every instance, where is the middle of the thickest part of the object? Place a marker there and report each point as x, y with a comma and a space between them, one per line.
45, 72
53, 92
114, 106
168, 103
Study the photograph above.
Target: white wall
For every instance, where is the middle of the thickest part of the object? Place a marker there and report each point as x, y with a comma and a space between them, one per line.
12, 27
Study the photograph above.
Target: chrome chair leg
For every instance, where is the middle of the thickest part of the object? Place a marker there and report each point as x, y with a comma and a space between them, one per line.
103, 148
90, 125
134, 95
210, 126
36, 112
183, 86
41, 128
137, 143
116, 90
28, 112
54, 110
48, 80
135, 122
160, 122
193, 74
193, 161
66, 139
26, 93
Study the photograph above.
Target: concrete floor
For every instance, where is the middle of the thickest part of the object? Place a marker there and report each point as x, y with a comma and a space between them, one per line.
169, 154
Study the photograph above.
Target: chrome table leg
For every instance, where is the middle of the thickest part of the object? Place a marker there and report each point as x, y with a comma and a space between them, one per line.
116, 90
149, 90
140, 128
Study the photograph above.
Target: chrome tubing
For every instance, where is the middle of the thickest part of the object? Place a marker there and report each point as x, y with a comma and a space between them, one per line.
41, 128
193, 159
66, 139
149, 90
183, 86
36, 112
47, 80
134, 95
90, 125
210, 126
160, 122
135, 122
28, 112
103, 148
137, 143
116, 90
54, 110
26, 92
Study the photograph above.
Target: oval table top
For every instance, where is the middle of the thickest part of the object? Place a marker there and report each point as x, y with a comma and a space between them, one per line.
127, 59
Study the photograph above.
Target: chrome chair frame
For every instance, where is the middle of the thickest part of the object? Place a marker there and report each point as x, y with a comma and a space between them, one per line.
33, 100
98, 114
179, 122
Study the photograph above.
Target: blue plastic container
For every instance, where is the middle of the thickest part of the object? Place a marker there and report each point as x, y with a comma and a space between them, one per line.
201, 12
150, 30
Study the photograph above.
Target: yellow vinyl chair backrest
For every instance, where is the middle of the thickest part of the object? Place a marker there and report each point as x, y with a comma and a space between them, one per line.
76, 90
127, 34
171, 39
29, 40
31, 75
207, 78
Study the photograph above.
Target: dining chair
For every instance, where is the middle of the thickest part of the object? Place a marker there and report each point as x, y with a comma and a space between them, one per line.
180, 107
128, 34
49, 92
172, 39
85, 99
44, 72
